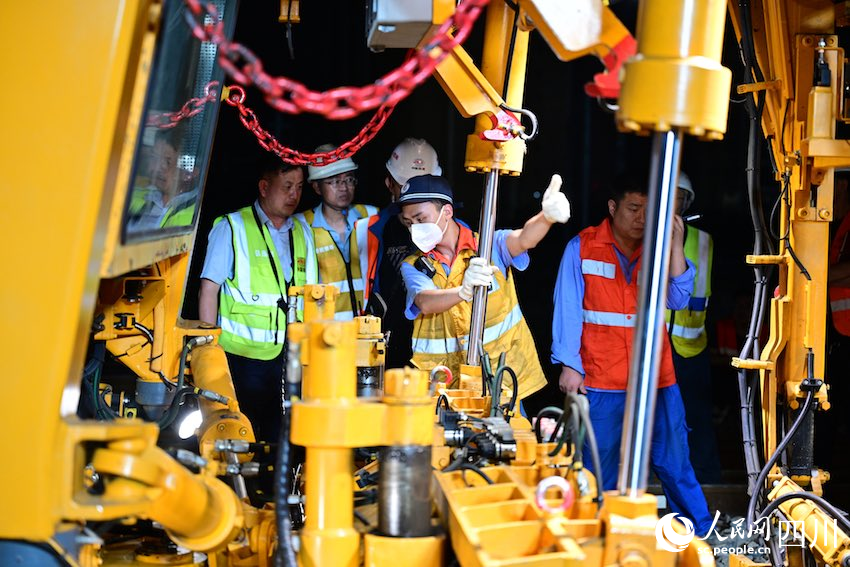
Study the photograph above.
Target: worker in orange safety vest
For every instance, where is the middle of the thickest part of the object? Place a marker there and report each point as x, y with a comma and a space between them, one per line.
596, 297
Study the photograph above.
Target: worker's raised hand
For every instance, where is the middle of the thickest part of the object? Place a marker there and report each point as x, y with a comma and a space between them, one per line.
556, 207
479, 272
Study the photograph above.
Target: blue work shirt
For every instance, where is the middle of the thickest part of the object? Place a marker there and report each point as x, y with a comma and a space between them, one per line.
219, 262
501, 257
568, 317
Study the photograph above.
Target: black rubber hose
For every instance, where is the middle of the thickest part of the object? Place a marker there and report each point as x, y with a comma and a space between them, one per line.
174, 408
584, 412
751, 507
285, 555
476, 470
828, 508
514, 385
548, 411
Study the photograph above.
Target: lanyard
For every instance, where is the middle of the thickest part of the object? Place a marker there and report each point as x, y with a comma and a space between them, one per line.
281, 303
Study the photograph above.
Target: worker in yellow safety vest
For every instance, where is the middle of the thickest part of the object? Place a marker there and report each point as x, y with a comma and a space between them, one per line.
253, 256
332, 223
689, 339
161, 200
440, 279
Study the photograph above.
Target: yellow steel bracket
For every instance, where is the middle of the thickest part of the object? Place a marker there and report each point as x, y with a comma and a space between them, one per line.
496, 143
290, 12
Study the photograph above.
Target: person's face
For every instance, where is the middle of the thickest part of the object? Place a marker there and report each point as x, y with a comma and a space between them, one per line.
164, 174
628, 217
337, 191
281, 193
417, 213
681, 197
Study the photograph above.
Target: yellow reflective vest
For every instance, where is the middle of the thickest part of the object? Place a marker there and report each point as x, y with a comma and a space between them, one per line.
687, 326
442, 338
180, 215
347, 277
252, 322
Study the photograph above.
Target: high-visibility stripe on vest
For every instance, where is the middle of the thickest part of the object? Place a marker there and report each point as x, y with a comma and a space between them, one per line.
442, 338
839, 297
334, 270
367, 251
688, 329
252, 323
609, 314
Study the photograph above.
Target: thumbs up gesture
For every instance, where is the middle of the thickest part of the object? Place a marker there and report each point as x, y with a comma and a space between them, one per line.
556, 207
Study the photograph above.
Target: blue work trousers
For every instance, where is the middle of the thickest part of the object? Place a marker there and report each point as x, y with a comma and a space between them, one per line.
668, 455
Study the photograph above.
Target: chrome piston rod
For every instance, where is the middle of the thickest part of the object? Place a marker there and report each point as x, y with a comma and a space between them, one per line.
487, 228
649, 326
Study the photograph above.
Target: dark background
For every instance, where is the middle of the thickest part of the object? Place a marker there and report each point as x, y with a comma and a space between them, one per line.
577, 139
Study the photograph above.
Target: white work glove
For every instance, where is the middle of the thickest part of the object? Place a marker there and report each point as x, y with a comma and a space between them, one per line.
479, 272
556, 207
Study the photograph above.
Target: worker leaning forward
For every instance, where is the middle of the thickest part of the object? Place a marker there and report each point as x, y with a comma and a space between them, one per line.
441, 277
332, 222
593, 327
384, 245
253, 256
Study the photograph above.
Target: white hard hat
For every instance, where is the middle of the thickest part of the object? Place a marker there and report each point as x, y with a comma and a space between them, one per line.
316, 172
413, 157
685, 185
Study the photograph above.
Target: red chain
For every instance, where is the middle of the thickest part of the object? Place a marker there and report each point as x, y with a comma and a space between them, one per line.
236, 98
192, 107
292, 97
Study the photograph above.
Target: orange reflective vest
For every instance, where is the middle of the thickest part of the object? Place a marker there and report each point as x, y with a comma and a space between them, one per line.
609, 314
839, 297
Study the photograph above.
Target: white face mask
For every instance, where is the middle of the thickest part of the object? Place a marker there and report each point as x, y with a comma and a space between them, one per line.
427, 235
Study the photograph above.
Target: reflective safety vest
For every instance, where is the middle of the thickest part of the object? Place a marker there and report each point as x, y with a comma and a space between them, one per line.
687, 327
442, 338
253, 323
609, 314
334, 270
839, 297
181, 215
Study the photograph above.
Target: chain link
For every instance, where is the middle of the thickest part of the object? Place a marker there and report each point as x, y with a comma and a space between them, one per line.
236, 99
192, 107
292, 97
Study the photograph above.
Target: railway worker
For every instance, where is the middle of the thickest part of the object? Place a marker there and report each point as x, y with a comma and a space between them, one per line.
595, 311
253, 256
384, 242
690, 340
441, 276
332, 222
